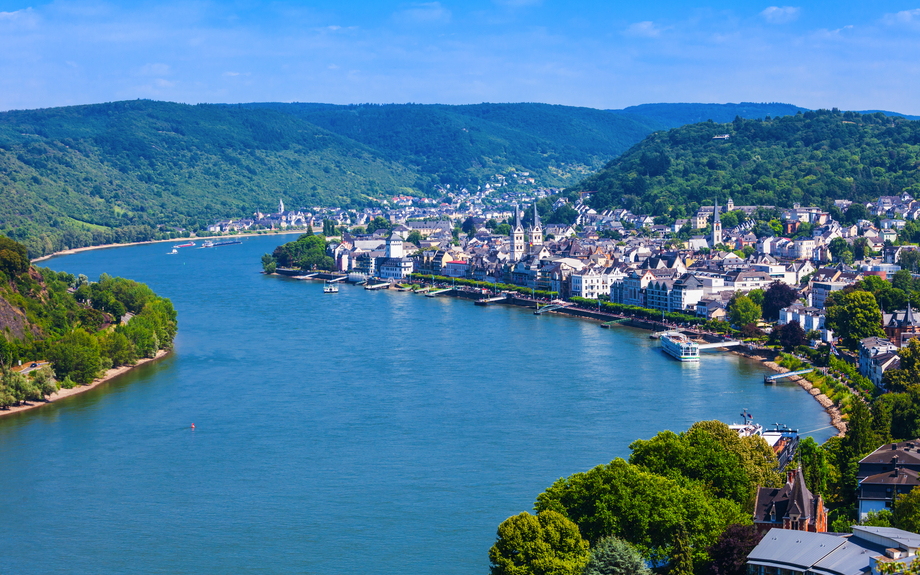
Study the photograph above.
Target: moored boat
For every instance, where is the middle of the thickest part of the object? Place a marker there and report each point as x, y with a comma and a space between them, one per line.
185, 245
679, 346
330, 288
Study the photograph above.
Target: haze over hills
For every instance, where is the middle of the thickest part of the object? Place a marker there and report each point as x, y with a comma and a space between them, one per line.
811, 158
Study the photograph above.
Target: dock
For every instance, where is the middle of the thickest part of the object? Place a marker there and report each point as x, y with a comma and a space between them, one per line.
614, 322
549, 307
438, 292
705, 346
384, 285
778, 376
487, 301
425, 289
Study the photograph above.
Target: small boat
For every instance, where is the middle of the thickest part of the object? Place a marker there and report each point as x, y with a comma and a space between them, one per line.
186, 245
174, 252
330, 288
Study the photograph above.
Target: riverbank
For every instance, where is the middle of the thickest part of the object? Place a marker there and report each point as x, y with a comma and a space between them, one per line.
62, 393
828, 405
175, 240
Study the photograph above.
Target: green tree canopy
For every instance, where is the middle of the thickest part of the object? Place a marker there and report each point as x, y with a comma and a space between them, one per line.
855, 316
742, 310
905, 513
713, 455
641, 507
908, 373
545, 544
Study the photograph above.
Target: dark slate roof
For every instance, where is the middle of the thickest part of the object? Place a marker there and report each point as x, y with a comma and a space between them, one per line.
898, 476
793, 498
907, 452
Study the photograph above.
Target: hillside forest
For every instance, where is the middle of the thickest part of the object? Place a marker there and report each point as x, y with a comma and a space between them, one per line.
81, 328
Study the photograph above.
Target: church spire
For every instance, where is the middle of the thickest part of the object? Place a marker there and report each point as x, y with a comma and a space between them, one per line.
536, 216
909, 316
517, 216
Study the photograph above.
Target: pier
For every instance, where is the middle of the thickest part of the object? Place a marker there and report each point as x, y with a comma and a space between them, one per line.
385, 285
438, 292
612, 323
549, 307
718, 344
487, 301
778, 376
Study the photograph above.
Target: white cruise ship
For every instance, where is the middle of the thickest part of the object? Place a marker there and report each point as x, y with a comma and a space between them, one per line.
679, 346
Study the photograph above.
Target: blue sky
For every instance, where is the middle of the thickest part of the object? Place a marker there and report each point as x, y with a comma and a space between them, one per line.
850, 55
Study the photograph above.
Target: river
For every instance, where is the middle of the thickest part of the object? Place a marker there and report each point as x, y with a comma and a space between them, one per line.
361, 432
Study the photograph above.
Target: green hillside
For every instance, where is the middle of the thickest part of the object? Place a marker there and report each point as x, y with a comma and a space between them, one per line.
128, 171
809, 158
675, 115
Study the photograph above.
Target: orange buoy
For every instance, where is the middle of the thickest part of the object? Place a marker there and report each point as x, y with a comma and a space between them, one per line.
193, 426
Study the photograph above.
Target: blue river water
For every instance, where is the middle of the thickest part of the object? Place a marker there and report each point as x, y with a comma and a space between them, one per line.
361, 432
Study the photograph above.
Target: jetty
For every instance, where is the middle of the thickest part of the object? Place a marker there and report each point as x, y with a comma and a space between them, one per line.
549, 307
487, 300
778, 376
438, 292
370, 287
718, 344
614, 322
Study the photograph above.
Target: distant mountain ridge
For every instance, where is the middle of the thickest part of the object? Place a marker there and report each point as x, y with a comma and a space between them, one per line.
136, 170
678, 114
116, 172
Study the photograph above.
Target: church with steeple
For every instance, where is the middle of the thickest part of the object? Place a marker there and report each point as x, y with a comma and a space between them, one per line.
517, 237
535, 233
716, 226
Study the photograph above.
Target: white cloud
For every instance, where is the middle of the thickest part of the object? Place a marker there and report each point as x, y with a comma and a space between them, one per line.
903, 17
645, 29
428, 13
25, 18
231, 74
777, 15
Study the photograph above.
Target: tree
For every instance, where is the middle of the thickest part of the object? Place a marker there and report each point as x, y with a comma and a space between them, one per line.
742, 311
681, 560
777, 296
415, 237
855, 316
905, 513
268, 264
328, 228
813, 459
841, 251
728, 555
711, 453
545, 544
613, 556
44, 381
76, 355
881, 518
908, 373
791, 335
640, 507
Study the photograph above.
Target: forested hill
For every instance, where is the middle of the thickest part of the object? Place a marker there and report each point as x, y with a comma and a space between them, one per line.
114, 172
675, 115
810, 158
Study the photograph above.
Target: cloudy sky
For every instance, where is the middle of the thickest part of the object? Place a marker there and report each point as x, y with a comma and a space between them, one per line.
602, 54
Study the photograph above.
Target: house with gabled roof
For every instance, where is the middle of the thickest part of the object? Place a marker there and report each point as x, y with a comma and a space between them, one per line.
792, 506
